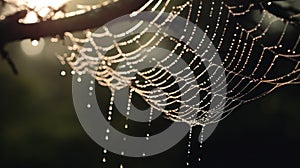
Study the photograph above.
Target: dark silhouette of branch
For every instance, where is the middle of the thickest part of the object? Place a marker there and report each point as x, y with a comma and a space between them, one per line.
3, 53
12, 30
10, 62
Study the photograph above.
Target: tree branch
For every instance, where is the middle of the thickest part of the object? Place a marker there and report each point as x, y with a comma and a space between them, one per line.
10, 62
12, 30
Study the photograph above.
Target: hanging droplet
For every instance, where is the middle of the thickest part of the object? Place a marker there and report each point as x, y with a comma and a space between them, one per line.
79, 79
104, 151
73, 72
110, 108
126, 126
121, 166
35, 43
201, 136
189, 144
88, 105
150, 116
106, 138
104, 160
63, 73
107, 131
129, 102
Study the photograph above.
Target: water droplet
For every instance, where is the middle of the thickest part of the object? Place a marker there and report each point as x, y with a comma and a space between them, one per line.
35, 43
91, 88
107, 131
104, 151
106, 138
104, 160
121, 166
126, 126
63, 73
79, 79
144, 154
122, 153
88, 105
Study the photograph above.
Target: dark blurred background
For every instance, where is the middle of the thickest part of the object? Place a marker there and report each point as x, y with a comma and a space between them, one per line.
39, 127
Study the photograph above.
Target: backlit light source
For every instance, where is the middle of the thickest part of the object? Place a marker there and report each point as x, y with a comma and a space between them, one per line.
38, 8
35, 43
32, 47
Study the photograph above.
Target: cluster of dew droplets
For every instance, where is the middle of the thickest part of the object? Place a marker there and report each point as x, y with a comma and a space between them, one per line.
233, 61
129, 103
91, 88
189, 144
109, 118
244, 45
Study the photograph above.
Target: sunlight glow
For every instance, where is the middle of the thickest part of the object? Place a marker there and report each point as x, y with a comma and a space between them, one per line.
35, 43
39, 4
38, 8
32, 47
31, 17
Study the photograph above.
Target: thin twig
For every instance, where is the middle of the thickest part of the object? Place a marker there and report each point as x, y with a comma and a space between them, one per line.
9, 60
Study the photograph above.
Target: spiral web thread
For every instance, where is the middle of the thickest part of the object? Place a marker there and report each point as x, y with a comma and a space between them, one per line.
254, 65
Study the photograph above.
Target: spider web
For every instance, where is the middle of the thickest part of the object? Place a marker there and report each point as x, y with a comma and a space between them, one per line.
259, 49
